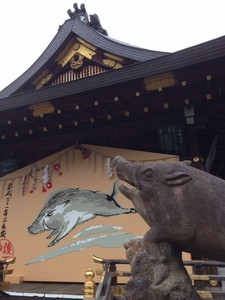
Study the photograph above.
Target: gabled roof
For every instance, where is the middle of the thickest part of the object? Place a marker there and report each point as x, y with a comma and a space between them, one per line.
71, 29
192, 56
137, 92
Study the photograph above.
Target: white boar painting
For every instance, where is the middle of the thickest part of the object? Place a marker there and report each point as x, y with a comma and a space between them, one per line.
67, 208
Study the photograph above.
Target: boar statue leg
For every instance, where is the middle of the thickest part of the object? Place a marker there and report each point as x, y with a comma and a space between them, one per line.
157, 273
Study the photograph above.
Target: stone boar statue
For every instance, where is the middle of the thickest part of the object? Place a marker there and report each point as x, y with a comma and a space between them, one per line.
65, 209
182, 205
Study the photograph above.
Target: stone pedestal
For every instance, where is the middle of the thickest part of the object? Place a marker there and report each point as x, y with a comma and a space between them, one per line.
158, 273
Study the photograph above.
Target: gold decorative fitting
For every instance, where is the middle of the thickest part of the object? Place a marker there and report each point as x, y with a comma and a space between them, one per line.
89, 274
86, 52
199, 277
86, 44
113, 57
205, 294
68, 52
112, 61
41, 109
109, 63
89, 285
158, 82
213, 283
42, 75
43, 81
97, 259
76, 61
76, 46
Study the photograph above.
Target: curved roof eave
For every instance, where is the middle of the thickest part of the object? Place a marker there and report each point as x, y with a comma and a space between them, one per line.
90, 35
112, 45
208, 51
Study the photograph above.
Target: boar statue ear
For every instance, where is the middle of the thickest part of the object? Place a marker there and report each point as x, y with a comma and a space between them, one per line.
176, 178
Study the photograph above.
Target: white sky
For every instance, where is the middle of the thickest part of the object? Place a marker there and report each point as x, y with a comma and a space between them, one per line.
28, 26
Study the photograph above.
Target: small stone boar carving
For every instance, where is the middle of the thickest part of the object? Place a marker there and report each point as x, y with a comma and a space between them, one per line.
181, 204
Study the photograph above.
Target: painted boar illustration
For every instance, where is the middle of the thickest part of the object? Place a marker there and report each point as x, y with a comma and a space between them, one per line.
67, 208
181, 204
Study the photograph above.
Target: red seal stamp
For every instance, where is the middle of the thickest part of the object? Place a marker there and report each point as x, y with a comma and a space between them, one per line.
6, 249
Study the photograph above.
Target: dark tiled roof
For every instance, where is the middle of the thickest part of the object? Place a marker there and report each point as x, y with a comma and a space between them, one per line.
76, 27
201, 53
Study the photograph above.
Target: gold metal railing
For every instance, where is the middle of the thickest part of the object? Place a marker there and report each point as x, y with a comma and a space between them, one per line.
109, 289
3, 272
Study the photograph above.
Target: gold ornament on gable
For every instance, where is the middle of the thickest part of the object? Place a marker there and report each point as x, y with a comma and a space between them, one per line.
86, 52
75, 49
86, 44
43, 81
111, 63
68, 53
76, 61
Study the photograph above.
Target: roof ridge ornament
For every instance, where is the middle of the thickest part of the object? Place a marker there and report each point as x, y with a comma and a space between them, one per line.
95, 23
91, 20
80, 13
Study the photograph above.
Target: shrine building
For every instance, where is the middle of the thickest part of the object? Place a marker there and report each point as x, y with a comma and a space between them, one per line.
87, 98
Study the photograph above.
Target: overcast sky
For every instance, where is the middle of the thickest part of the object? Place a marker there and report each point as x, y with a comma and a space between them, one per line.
28, 26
